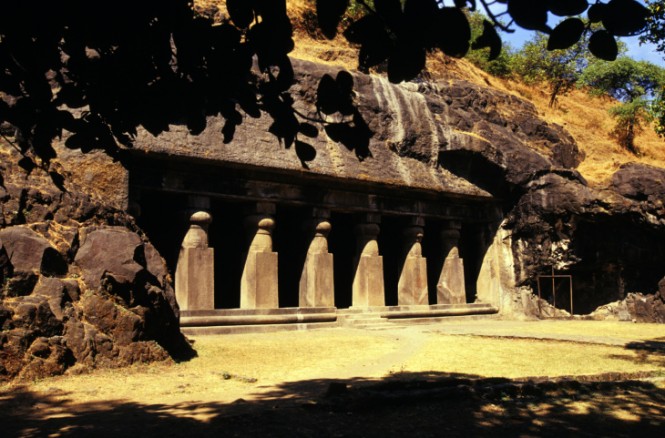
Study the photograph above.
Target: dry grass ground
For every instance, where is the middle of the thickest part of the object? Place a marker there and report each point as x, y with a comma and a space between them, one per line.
276, 383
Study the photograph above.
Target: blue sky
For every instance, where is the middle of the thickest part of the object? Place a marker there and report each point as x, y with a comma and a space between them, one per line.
644, 52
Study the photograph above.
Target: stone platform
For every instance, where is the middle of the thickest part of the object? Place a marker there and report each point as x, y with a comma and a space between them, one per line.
227, 321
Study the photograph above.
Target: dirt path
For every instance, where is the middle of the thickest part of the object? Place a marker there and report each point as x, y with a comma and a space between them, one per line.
407, 342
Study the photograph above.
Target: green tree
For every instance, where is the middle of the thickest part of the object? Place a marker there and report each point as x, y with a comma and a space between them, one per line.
631, 82
499, 66
655, 33
560, 68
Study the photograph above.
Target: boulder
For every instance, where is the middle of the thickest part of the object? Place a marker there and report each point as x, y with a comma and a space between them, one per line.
113, 251
644, 184
30, 252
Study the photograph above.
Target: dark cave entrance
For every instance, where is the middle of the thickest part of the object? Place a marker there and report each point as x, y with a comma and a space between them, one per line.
342, 244
291, 239
391, 247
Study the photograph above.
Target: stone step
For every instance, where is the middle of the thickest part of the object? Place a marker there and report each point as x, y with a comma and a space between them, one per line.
252, 312
220, 321
226, 319
264, 328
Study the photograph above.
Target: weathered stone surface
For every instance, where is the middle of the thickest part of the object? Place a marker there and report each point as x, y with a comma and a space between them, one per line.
609, 243
58, 293
25, 248
195, 280
82, 287
259, 281
110, 250
635, 307
644, 184
368, 289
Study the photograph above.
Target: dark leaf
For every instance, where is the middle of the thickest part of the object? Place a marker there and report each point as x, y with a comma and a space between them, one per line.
284, 78
344, 82
58, 180
329, 13
241, 12
624, 17
564, 8
326, 95
228, 131
423, 23
529, 14
373, 54
405, 63
566, 34
603, 45
305, 151
454, 32
390, 10
27, 164
308, 130
489, 38
365, 30
375, 43
596, 12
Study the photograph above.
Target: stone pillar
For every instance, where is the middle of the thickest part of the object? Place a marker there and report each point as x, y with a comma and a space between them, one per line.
412, 285
258, 285
368, 286
316, 281
195, 272
450, 288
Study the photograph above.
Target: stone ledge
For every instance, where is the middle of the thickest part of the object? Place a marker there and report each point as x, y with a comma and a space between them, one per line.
439, 312
265, 328
227, 320
254, 312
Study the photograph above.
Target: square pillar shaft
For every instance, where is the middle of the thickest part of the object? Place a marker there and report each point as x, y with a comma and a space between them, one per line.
368, 284
451, 288
317, 280
195, 272
412, 284
259, 281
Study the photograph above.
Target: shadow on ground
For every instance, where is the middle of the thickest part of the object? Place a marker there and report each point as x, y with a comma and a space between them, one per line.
406, 404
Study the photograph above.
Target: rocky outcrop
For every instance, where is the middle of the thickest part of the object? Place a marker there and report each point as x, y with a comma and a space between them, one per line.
463, 139
635, 307
82, 287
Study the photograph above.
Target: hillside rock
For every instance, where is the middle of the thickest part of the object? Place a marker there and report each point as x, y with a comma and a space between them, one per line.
644, 184
466, 140
78, 293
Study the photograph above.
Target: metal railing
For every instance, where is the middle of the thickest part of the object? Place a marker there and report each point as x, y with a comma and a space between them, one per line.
553, 277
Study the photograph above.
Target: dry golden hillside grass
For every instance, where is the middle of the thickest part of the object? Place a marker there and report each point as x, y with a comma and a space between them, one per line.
585, 117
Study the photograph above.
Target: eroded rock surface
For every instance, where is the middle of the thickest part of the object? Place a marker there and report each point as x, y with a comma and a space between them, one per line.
82, 287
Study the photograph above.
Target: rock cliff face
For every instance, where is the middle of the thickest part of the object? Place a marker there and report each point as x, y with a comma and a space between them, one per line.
471, 141
82, 287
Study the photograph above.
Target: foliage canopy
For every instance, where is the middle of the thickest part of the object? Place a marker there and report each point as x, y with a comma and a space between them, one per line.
101, 76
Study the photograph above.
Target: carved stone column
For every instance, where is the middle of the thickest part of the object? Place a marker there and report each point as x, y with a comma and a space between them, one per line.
368, 285
195, 272
317, 280
412, 285
450, 288
258, 285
